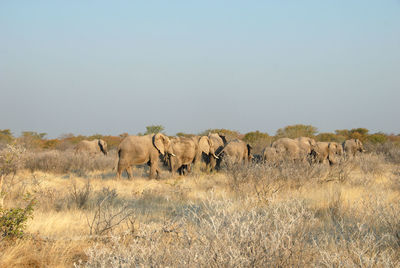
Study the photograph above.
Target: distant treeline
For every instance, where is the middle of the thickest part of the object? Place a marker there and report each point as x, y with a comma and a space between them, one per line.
34, 140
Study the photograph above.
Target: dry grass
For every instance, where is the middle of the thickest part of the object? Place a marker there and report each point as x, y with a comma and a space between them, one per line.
293, 214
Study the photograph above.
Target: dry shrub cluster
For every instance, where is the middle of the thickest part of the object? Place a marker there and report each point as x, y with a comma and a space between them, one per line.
390, 150
65, 162
282, 234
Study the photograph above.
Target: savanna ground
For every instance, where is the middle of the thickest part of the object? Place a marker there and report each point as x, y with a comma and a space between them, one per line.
292, 214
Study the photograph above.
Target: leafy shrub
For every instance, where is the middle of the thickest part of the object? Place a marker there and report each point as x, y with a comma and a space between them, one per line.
13, 221
329, 137
377, 138
296, 131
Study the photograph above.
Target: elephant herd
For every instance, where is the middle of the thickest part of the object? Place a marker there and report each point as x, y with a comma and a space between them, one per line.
180, 154
305, 148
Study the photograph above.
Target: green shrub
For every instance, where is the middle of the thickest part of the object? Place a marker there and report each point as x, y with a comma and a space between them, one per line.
295, 131
13, 221
377, 138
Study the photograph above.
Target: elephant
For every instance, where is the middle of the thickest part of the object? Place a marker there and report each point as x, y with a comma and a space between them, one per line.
337, 148
185, 150
327, 152
138, 150
287, 148
306, 145
92, 147
270, 155
204, 149
237, 151
351, 147
218, 142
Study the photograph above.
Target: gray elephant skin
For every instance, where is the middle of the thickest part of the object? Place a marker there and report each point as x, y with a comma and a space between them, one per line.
185, 152
218, 142
327, 152
270, 155
352, 146
306, 145
138, 150
294, 149
205, 149
92, 147
287, 148
236, 152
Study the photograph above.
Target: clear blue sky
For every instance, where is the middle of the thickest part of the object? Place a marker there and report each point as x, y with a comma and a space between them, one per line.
110, 67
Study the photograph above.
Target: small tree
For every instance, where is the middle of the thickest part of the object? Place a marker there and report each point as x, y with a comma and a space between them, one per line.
154, 129
229, 134
255, 136
6, 136
377, 138
329, 137
181, 134
258, 140
32, 139
296, 131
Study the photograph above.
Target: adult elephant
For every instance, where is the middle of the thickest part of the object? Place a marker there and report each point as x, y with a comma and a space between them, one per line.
237, 152
287, 148
138, 150
92, 147
351, 147
306, 145
327, 152
218, 142
185, 151
270, 155
204, 149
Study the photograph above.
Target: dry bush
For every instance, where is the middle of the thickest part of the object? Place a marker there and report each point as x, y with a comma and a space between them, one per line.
282, 234
80, 196
366, 237
11, 160
265, 180
63, 162
370, 163
107, 215
390, 150
214, 236
340, 172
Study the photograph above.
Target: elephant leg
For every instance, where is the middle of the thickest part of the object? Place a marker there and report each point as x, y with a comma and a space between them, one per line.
212, 163
189, 168
181, 170
154, 172
246, 160
120, 169
129, 171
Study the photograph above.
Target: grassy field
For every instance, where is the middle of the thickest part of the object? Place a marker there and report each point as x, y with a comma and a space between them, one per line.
293, 214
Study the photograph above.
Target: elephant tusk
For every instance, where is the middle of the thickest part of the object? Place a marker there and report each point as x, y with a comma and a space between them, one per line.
172, 154
216, 157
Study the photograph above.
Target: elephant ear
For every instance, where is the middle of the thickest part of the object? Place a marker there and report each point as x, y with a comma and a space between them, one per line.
204, 144
158, 141
100, 145
223, 138
249, 149
332, 149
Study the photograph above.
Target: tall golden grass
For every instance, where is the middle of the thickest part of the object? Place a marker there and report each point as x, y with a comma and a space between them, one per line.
261, 215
